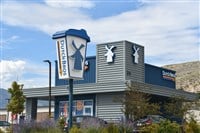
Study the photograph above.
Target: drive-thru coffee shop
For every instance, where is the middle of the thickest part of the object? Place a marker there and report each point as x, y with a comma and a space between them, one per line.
107, 76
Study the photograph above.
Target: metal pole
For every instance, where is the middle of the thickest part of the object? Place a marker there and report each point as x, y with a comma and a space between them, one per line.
70, 103
50, 90
7, 118
49, 62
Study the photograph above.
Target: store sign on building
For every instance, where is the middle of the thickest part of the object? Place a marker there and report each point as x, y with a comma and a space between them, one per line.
135, 54
109, 54
62, 58
71, 50
168, 75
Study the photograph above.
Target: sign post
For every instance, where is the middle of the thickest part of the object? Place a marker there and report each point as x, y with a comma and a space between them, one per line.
71, 50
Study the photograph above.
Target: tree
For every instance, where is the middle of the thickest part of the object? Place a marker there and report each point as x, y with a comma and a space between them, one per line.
16, 104
177, 107
137, 104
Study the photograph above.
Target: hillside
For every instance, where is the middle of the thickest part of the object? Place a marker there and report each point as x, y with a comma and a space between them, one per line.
4, 96
187, 75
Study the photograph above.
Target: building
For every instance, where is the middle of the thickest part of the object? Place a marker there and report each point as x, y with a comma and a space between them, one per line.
116, 67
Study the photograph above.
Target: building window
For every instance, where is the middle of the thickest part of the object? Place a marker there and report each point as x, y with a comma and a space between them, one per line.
80, 107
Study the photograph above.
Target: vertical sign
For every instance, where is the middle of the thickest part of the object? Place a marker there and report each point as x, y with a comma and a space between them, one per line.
62, 59
71, 50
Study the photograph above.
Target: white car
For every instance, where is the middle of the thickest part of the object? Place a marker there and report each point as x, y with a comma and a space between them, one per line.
4, 125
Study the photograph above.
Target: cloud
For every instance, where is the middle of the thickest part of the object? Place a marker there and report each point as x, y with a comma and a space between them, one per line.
20, 71
10, 70
167, 29
8, 40
70, 3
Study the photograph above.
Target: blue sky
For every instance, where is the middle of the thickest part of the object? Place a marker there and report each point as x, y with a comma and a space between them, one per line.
169, 31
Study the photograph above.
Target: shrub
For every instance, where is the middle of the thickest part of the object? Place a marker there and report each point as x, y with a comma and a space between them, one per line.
126, 127
1, 131
192, 127
112, 128
163, 127
61, 123
92, 122
169, 127
151, 128
75, 129
47, 126
92, 130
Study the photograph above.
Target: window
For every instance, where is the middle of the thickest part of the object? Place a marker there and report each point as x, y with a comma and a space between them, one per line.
80, 107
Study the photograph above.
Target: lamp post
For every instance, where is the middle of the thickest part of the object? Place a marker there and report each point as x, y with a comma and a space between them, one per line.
7, 118
49, 62
71, 50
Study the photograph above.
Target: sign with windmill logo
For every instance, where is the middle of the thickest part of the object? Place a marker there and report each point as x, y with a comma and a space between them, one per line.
71, 51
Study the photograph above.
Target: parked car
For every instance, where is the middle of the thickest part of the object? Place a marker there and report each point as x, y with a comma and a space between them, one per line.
4, 125
149, 119
87, 121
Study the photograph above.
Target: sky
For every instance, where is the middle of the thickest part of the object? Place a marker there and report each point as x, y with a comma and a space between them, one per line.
168, 30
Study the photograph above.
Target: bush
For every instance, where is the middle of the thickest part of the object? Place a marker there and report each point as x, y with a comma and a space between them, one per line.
154, 128
61, 123
126, 127
192, 127
163, 127
1, 131
92, 130
75, 129
169, 127
112, 128
47, 126
92, 122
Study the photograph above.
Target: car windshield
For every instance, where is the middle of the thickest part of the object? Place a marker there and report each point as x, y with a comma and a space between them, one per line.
79, 119
156, 118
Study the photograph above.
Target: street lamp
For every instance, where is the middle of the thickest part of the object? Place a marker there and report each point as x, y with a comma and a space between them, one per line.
8, 100
71, 50
49, 62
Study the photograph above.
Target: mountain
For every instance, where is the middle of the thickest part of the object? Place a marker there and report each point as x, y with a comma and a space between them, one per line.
4, 96
187, 75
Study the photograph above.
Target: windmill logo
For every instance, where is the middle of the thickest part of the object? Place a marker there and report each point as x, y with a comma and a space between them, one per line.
109, 53
77, 56
136, 55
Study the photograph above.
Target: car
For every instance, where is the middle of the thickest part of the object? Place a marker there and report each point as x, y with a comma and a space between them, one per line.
86, 121
4, 125
149, 119
78, 120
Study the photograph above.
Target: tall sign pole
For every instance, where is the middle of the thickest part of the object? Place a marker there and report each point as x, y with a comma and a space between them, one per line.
70, 102
71, 50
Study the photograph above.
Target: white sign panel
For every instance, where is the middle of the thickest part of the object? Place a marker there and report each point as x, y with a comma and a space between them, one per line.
71, 50
62, 58
76, 51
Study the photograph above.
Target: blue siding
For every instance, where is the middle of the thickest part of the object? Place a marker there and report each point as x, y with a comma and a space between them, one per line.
153, 75
89, 75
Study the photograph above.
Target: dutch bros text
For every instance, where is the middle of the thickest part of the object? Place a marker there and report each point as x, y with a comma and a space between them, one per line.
62, 57
168, 75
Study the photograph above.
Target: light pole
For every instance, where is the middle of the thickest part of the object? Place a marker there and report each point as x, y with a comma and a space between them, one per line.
71, 50
8, 100
49, 62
